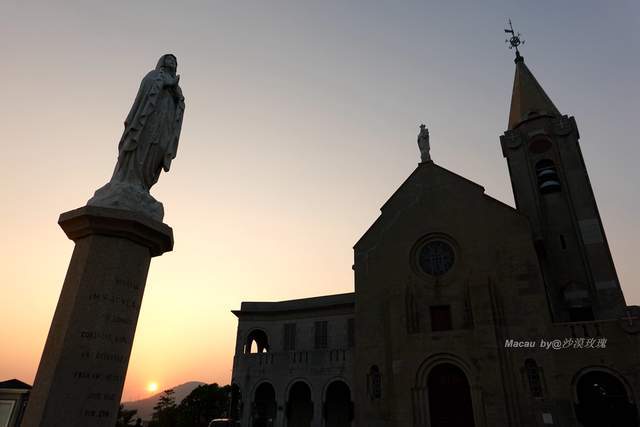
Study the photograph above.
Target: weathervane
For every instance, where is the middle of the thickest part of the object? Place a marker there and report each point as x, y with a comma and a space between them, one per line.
514, 41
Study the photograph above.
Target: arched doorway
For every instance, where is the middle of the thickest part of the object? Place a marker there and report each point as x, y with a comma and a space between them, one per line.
338, 410
449, 397
602, 401
264, 406
299, 406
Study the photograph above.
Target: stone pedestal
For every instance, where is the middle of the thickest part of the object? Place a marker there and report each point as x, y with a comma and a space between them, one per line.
84, 363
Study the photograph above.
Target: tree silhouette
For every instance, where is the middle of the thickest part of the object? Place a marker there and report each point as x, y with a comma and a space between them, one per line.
125, 417
165, 412
203, 404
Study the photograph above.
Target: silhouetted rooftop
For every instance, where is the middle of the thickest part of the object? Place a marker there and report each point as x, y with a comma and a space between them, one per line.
14, 384
304, 304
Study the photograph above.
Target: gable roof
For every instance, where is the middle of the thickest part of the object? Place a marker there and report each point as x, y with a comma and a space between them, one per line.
422, 177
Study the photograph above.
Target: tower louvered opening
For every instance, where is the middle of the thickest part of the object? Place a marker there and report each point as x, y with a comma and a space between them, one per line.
548, 181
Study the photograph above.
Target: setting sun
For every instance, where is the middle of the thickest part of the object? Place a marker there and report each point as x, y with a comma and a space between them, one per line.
152, 387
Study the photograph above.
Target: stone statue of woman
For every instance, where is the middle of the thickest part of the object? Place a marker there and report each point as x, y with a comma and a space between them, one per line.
423, 144
149, 142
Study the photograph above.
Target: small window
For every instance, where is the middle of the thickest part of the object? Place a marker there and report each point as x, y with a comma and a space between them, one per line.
563, 242
351, 332
374, 383
440, 318
533, 377
413, 315
548, 181
320, 329
289, 336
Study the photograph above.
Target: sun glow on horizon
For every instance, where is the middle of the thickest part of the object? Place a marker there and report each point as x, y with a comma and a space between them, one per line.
152, 387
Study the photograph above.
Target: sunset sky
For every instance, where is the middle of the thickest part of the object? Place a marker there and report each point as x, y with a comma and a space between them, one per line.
301, 120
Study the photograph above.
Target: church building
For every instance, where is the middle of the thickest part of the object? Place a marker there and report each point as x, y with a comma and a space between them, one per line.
466, 312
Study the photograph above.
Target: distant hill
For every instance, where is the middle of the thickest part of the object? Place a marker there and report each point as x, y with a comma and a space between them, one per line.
145, 406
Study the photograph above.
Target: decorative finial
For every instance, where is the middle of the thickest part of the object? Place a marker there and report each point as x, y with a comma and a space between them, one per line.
423, 144
514, 41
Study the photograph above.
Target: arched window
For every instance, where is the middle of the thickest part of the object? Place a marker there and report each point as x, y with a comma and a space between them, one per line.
548, 181
374, 383
533, 377
257, 342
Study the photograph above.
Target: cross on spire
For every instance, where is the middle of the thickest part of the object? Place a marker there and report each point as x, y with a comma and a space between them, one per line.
514, 41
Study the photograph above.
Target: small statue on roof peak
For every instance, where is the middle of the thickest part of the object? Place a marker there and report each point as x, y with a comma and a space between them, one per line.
423, 144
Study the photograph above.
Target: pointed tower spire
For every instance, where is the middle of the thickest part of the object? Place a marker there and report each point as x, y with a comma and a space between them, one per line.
528, 99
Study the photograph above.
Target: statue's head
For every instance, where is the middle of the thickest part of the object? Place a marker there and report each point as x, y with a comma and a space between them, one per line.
168, 62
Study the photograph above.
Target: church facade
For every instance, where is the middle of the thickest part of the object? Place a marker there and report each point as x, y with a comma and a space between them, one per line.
466, 311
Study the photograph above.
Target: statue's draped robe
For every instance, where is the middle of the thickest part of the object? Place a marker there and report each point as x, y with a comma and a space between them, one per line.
152, 130
423, 145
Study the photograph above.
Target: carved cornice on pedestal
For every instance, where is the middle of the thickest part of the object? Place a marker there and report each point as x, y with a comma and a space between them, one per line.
89, 220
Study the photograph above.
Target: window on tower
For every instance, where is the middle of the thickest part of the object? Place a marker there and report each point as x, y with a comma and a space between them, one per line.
563, 242
548, 181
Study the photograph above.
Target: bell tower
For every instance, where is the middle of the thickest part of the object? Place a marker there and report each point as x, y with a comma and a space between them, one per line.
552, 188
